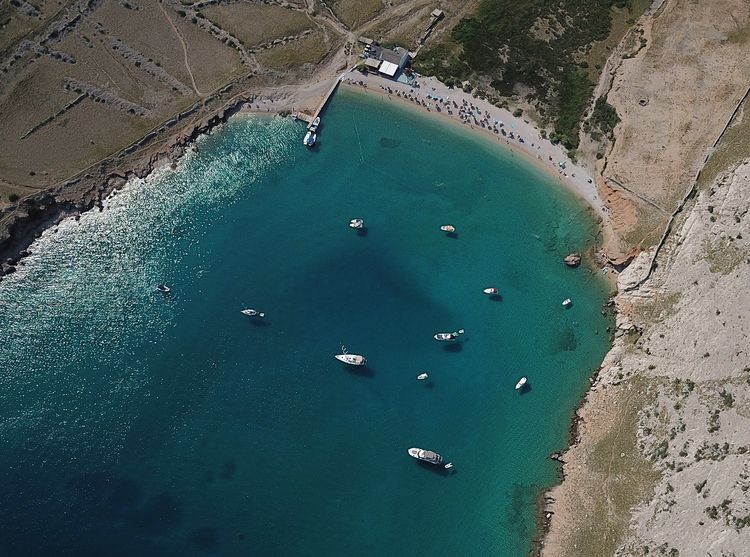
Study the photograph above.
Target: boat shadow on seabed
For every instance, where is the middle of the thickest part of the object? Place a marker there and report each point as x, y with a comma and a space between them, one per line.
454, 346
525, 389
361, 371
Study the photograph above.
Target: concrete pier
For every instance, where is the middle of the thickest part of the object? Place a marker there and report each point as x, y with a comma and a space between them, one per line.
325, 100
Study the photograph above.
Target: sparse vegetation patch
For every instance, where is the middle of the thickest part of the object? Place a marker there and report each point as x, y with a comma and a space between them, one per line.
531, 47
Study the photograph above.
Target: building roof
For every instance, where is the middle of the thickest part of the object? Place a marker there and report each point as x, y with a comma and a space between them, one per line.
388, 68
387, 55
437, 14
372, 63
390, 56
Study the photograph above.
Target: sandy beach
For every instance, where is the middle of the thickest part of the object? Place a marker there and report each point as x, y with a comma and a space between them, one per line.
516, 133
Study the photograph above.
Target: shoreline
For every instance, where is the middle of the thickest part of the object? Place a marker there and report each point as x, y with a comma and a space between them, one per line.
33, 215
525, 139
21, 224
166, 145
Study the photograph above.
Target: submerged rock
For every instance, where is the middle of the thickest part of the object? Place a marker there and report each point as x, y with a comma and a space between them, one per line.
573, 260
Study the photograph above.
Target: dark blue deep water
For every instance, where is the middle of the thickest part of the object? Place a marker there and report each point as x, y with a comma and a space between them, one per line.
134, 424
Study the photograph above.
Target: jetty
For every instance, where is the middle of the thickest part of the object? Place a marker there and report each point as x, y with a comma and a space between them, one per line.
325, 100
314, 121
302, 116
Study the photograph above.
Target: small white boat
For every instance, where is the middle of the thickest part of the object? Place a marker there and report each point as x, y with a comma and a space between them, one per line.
422, 376
448, 337
521, 383
310, 139
428, 456
357, 223
567, 302
163, 288
252, 313
314, 126
448, 228
350, 359
491, 291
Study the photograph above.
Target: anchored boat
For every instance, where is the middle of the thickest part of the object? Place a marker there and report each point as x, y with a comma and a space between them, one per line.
428, 456
350, 359
492, 291
448, 228
310, 139
252, 313
163, 288
521, 383
422, 376
567, 302
357, 223
448, 337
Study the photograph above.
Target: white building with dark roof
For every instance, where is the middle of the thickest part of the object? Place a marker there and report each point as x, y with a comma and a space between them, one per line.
386, 61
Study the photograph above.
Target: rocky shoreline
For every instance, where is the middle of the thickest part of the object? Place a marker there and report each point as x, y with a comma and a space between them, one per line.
545, 503
25, 222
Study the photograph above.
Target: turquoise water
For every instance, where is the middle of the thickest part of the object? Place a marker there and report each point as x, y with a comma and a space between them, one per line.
137, 424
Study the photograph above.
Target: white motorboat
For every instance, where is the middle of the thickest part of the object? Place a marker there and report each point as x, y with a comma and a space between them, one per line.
428, 456
350, 359
422, 376
357, 223
310, 139
492, 291
163, 288
521, 383
314, 126
252, 313
448, 337
448, 228
567, 302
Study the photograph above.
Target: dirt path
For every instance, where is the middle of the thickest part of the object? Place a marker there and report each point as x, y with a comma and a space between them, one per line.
184, 49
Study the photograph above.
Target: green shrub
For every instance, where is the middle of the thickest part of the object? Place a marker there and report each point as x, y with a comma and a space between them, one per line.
712, 512
13, 197
727, 398
575, 90
604, 116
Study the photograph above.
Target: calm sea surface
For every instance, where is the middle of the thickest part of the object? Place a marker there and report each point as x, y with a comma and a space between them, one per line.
137, 424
